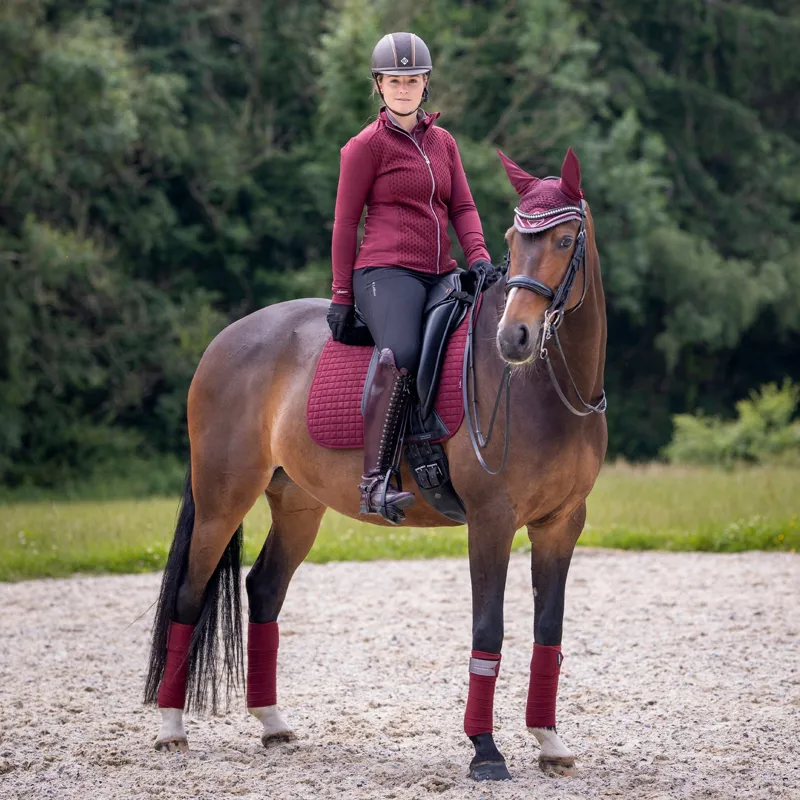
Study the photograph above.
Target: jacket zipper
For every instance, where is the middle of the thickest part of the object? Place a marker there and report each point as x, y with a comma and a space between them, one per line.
433, 192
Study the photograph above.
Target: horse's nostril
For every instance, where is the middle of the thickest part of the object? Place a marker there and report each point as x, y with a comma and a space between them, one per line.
523, 335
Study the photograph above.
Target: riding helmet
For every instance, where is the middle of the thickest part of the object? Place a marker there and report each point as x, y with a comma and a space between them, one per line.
401, 54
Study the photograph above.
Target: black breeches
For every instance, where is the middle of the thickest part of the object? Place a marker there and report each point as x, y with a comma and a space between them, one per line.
392, 301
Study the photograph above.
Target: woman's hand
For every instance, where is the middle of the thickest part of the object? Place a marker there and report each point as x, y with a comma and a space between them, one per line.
491, 274
339, 314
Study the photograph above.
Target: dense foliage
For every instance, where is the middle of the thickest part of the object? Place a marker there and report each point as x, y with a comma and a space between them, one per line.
765, 431
167, 167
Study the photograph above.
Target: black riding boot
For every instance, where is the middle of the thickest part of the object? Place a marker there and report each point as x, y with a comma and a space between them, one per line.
384, 414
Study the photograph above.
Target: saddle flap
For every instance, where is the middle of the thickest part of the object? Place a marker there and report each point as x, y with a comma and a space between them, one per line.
439, 323
445, 310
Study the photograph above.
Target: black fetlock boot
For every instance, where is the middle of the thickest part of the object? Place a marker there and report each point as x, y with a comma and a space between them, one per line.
384, 418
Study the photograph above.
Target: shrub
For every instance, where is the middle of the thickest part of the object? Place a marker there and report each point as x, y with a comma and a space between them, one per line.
764, 432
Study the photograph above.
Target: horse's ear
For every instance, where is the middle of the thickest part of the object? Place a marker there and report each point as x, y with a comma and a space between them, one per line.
520, 179
571, 176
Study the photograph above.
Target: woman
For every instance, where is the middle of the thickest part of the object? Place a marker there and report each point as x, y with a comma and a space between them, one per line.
408, 173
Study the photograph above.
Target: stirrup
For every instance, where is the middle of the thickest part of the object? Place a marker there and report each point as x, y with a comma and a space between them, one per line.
390, 511
366, 490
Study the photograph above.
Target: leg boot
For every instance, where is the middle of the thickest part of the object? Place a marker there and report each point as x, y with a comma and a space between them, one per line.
384, 414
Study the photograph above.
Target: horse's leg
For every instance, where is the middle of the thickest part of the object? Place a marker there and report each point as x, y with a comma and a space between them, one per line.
221, 498
295, 521
490, 537
551, 552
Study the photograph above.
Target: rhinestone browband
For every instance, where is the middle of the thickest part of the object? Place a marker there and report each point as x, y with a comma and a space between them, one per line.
543, 214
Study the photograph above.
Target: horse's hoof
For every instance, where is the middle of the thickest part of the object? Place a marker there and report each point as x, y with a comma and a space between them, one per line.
489, 771
281, 737
177, 744
554, 765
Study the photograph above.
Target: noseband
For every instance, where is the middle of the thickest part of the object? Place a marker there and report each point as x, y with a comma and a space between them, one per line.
553, 317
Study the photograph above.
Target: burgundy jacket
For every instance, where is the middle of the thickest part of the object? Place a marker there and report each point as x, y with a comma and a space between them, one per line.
412, 187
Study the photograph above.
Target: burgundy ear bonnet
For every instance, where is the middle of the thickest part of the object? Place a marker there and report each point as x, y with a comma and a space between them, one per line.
545, 203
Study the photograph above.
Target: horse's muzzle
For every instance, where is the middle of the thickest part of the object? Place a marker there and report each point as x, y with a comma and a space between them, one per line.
516, 342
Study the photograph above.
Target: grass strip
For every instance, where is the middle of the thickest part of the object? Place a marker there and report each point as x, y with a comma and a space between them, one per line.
642, 508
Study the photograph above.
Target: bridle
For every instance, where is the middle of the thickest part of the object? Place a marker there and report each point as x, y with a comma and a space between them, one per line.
553, 317
560, 297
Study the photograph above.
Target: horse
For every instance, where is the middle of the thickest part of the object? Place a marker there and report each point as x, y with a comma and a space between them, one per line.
248, 436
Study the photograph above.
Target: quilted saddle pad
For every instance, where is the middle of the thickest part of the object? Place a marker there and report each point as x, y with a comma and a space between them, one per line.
333, 411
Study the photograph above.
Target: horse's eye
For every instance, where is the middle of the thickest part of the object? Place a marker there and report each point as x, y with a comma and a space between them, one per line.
565, 242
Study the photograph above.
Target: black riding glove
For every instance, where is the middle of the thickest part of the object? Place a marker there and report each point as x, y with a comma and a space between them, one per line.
490, 272
339, 314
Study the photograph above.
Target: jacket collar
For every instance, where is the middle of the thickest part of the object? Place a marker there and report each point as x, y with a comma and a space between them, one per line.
426, 121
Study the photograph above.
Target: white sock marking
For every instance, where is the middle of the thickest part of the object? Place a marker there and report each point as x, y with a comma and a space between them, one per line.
271, 719
551, 744
171, 724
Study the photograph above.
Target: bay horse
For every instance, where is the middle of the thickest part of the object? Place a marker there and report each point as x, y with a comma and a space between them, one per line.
249, 436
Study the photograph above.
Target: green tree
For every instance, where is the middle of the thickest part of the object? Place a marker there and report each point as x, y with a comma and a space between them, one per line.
166, 167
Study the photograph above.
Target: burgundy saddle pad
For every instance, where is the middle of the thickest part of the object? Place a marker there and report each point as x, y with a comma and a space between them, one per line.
333, 411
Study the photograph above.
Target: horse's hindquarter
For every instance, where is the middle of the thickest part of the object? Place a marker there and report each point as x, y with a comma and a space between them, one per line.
254, 377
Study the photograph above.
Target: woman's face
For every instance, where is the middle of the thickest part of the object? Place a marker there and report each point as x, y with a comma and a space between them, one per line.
402, 92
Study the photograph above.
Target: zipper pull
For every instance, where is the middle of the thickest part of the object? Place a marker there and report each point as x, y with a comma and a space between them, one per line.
427, 160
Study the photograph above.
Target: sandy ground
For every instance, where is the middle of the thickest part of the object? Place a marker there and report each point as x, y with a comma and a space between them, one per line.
681, 679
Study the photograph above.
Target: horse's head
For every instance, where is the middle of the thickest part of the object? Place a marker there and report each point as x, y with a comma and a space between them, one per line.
546, 247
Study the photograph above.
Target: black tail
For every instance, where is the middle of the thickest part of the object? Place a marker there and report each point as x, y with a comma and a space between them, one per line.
222, 608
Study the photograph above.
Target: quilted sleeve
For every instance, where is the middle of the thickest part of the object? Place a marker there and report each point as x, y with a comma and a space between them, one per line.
356, 175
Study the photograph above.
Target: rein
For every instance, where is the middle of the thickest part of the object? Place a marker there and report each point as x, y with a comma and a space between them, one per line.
553, 317
479, 442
